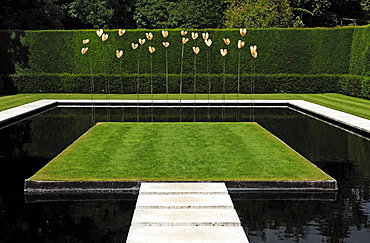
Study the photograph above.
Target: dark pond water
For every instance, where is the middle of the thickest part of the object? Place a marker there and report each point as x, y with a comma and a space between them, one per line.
28, 145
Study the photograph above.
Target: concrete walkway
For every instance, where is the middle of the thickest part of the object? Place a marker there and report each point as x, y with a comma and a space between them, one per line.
185, 212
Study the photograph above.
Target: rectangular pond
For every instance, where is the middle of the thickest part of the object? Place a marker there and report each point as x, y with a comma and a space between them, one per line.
28, 145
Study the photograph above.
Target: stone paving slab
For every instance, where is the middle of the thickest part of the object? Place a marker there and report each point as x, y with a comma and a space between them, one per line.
185, 217
338, 116
183, 188
184, 201
335, 115
24, 109
185, 212
186, 234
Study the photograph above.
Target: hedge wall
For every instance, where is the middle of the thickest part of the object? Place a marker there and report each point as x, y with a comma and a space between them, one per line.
360, 52
289, 60
306, 51
263, 83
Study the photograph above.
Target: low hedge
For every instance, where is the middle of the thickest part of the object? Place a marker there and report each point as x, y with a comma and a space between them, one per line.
352, 85
126, 83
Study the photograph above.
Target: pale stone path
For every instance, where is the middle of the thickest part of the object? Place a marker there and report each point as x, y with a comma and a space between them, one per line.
185, 212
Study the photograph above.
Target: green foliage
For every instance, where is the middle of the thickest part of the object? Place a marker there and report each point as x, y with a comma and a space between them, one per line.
306, 51
31, 14
357, 86
263, 83
259, 14
152, 14
96, 13
360, 54
365, 4
289, 61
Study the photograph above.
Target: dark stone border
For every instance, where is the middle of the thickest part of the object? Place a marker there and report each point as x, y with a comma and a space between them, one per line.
35, 187
32, 186
240, 186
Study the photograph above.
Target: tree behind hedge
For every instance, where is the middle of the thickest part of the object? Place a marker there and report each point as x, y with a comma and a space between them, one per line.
259, 14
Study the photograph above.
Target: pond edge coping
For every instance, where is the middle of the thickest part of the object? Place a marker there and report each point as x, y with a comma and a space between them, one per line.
344, 120
351, 123
37, 186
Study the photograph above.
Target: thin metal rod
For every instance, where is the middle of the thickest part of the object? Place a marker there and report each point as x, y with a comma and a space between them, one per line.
238, 92
195, 82
92, 92
181, 71
166, 82
138, 86
223, 89
151, 85
121, 83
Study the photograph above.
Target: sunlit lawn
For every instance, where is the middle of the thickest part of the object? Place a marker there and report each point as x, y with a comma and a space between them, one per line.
179, 152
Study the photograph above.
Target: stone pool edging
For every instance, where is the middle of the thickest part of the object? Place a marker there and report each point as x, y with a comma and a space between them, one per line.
33, 186
344, 120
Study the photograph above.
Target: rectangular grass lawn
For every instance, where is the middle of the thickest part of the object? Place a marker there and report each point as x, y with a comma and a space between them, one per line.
179, 152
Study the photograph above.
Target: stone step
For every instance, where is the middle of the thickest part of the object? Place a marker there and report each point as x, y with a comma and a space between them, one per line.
186, 234
183, 188
185, 217
185, 212
184, 201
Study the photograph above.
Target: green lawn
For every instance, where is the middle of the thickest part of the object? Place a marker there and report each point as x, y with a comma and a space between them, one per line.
355, 106
179, 152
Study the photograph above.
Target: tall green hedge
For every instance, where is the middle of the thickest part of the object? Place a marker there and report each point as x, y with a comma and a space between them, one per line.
306, 51
360, 52
289, 60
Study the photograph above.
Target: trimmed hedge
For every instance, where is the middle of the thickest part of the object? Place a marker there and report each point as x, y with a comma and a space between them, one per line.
269, 83
305, 51
360, 52
352, 85
289, 60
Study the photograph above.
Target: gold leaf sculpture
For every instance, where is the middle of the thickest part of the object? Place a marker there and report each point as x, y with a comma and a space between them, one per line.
119, 53
243, 31
205, 36
184, 40
121, 32
134, 46
208, 42
223, 52
149, 35
85, 41
141, 41
84, 50
164, 33
227, 41
183, 32
254, 51
104, 37
151, 49
194, 35
99, 32
196, 50
241, 44
165, 44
